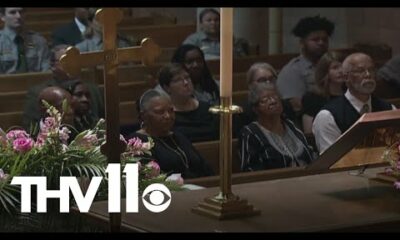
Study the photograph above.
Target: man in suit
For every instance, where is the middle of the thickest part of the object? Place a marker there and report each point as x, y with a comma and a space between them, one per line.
72, 33
341, 113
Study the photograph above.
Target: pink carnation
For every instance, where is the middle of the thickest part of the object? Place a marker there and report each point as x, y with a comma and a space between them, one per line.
155, 169
23, 144
397, 184
14, 134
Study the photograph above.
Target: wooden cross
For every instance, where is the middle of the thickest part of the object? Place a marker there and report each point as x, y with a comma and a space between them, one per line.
111, 57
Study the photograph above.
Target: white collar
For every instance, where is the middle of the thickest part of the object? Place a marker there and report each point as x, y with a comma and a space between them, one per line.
357, 104
81, 26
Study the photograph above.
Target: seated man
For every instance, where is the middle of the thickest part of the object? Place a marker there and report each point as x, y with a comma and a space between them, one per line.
55, 96
21, 50
93, 37
297, 77
31, 111
340, 113
72, 32
208, 38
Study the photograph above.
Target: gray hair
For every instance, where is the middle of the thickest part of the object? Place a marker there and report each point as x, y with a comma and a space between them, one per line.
348, 62
256, 89
259, 65
147, 97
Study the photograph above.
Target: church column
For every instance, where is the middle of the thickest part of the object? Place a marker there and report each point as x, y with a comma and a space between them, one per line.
275, 31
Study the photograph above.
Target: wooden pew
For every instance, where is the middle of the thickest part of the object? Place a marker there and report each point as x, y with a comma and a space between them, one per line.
210, 152
166, 35
50, 25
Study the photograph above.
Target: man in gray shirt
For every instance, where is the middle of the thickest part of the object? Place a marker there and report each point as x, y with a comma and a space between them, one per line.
208, 38
21, 50
297, 77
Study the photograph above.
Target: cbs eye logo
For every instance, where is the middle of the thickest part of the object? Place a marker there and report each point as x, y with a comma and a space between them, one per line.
156, 197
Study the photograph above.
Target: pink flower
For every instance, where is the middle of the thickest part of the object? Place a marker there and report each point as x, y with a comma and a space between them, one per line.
23, 144
49, 122
64, 134
397, 184
177, 178
398, 148
3, 176
135, 146
40, 140
14, 134
154, 169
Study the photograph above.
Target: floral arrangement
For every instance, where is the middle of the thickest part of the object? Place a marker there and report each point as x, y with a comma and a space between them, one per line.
392, 156
51, 154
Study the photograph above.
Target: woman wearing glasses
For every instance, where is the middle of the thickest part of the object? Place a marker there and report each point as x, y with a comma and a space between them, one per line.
271, 141
192, 116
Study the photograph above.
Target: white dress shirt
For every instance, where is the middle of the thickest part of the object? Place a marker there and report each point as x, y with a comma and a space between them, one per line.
81, 26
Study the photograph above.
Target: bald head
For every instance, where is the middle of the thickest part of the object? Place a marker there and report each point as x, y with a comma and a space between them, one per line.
355, 60
54, 96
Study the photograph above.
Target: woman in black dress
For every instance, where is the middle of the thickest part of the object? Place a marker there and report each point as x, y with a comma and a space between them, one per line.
172, 150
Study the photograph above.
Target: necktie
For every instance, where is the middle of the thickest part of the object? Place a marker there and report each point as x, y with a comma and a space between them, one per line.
364, 109
21, 65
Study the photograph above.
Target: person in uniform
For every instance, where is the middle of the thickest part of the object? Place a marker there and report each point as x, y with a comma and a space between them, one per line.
21, 50
297, 77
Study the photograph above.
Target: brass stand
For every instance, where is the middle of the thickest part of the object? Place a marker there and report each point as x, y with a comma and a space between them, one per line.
225, 205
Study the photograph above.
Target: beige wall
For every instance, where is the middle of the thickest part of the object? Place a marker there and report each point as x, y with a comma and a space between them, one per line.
375, 25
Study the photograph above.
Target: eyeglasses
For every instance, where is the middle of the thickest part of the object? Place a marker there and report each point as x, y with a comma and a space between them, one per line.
362, 72
181, 79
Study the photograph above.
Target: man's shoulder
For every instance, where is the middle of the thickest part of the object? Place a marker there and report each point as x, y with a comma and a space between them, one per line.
293, 64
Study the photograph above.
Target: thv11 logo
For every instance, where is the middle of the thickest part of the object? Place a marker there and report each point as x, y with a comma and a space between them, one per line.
156, 197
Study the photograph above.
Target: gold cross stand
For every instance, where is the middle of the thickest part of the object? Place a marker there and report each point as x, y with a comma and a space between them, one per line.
226, 205
111, 57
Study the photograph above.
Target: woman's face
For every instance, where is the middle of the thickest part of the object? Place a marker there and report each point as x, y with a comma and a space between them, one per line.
335, 73
263, 75
269, 104
194, 63
181, 85
81, 100
159, 116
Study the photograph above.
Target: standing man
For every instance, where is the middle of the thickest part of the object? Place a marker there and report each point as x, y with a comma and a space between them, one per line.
342, 112
72, 33
21, 50
297, 77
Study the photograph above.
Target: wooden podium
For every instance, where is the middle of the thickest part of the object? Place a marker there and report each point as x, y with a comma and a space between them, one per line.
363, 143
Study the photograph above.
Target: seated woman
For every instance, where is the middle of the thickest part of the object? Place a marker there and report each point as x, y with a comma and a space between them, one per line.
259, 72
208, 38
272, 141
330, 84
172, 150
192, 116
205, 86
81, 105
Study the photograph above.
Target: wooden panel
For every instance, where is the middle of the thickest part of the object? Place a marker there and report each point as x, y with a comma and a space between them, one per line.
210, 152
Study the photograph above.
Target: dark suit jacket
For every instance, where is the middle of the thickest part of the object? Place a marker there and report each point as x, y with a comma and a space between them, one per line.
67, 34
